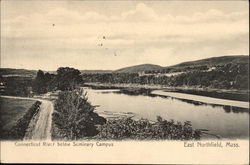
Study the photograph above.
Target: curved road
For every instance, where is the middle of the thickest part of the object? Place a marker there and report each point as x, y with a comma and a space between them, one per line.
40, 125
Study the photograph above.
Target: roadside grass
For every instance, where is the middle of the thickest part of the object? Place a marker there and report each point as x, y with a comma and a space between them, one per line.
11, 110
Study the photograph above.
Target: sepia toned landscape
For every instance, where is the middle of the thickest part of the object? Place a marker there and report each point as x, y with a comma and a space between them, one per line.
124, 70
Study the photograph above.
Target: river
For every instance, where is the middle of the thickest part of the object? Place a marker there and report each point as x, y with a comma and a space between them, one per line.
228, 121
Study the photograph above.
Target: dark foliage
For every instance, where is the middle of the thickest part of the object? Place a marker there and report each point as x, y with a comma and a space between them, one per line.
39, 84
74, 116
67, 78
43, 82
216, 94
142, 129
223, 77
20, 72
19, 129
135, 91
16, 86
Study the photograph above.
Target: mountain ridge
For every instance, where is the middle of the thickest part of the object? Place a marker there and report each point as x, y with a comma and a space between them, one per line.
209, 62
213, 61
138, 68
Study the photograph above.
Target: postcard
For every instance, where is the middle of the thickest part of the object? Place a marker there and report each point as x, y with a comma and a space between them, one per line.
124, 82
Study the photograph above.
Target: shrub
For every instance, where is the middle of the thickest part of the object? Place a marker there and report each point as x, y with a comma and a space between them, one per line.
142, 129
74, 117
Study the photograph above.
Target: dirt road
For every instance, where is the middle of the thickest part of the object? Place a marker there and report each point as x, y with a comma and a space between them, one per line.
40, 125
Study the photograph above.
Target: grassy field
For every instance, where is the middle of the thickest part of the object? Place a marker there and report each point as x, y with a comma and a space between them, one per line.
11, 110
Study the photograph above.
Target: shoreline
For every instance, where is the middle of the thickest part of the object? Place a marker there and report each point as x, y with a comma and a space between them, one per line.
229, 94
204, 99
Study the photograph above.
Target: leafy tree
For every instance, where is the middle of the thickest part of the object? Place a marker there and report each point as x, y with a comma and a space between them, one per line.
204, 81
74, 116
242, 82
67, 78
47, 77
39, 84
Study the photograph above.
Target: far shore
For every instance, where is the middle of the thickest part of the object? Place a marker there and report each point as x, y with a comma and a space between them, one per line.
231, 94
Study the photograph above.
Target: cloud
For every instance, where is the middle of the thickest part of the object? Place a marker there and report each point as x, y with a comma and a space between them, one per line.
142, 21
141, 13
140, 31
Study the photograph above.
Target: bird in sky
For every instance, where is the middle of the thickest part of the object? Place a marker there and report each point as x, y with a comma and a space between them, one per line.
101, 44
106, 48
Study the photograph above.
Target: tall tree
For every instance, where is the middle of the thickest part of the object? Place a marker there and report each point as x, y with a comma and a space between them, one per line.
68, 78
39, 85
74, 116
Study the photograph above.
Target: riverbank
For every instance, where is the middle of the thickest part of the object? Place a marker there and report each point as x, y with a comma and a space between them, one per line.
203, 99
230, 94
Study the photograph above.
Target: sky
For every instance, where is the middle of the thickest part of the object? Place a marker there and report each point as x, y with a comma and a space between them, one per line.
113, 34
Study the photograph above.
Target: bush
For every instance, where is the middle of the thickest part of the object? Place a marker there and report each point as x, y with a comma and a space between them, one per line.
16, 86
74, 117
142, 129
68, 78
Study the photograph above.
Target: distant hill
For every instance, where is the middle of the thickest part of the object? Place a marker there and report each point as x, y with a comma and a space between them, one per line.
96, 71
17, 72
139, 68
209, 62
215, 61
8, 72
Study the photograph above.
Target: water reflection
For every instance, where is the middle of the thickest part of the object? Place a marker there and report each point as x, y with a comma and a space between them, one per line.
229, 109
225, 121
147, 92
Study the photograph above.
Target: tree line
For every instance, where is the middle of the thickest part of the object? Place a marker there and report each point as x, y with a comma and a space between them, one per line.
228, 76
16, 86
66, 79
